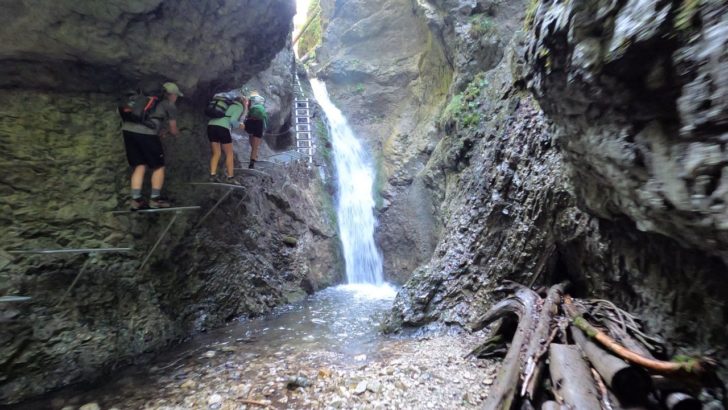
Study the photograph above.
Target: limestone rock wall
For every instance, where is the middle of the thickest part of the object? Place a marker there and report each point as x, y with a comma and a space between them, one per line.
641, 110
541, 195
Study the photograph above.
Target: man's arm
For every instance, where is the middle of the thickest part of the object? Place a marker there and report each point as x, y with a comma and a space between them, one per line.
172, 116
173, 128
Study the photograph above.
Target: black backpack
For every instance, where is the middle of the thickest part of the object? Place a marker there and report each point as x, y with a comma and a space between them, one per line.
218, 106
138, 108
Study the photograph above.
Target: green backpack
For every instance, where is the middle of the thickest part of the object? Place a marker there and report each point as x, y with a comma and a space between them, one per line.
257, 110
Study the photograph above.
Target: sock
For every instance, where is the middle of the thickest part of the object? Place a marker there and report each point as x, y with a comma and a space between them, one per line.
156, 192
136, 193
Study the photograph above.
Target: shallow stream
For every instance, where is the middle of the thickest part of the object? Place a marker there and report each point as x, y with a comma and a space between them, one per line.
338, 326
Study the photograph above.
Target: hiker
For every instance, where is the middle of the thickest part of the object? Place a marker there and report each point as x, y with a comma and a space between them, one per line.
255, 124
146, 119
226, 114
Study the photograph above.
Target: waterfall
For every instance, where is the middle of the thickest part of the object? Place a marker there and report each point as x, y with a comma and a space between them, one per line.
355, 200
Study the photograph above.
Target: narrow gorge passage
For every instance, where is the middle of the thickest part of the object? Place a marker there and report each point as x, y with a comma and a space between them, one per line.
363, 204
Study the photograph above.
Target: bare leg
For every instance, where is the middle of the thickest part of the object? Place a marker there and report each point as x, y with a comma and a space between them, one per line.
158, 178
137, 177
229, 158
215, 146
254, 145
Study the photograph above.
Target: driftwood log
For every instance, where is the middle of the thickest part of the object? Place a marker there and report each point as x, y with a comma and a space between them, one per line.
628, 382
523, 303
572, 378
540, 341
551, 405
682, 401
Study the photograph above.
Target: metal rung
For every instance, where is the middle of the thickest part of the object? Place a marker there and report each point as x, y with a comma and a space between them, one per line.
67, 251
302, 120
303, 135
303, 127
149, 211
299, 99
303, 144
307, 151
302, 105
219, 184
303, 112
14, 298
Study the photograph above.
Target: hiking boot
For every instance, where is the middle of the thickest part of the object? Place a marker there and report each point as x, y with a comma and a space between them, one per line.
138, 204
232, 181
252, 164
159, 202
214, 179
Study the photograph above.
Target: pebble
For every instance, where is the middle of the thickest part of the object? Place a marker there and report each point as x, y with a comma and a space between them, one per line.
360, 358
214, 399
90, 406
209, 354
360, 388
374, 387
188, 385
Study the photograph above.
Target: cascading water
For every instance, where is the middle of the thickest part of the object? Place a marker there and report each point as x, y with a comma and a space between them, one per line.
355, 202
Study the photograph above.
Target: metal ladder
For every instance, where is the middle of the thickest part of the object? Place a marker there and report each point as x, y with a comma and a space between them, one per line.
302, 122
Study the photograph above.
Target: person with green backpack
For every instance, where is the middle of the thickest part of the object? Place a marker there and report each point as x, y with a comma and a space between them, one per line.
255, 124
226, 113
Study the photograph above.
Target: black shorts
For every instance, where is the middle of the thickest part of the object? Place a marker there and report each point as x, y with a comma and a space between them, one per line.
143, 149
254, 127
216, 133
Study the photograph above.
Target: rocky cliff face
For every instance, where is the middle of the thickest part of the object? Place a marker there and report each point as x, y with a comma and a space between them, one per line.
93, 46
621, 195
64, 169
641, 111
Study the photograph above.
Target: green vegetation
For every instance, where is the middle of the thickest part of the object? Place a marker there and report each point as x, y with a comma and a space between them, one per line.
463, 107
311, 38
686, 13
359, 88
480, 24
530, 13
